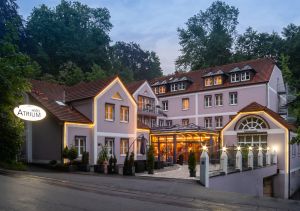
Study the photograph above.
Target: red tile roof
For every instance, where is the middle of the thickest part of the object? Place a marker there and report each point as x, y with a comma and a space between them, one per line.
132, 87
263, 68
254, 106
48, 93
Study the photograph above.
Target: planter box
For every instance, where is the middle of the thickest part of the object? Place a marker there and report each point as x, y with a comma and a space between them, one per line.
99, 168
120, 169
158, 164
140, 166
85, 168
112, 169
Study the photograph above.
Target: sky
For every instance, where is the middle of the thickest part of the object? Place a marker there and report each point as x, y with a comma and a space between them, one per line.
153, 23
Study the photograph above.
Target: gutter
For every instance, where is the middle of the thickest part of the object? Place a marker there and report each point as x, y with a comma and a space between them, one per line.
289, 168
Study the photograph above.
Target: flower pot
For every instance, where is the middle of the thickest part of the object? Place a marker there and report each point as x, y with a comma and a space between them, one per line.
99, 168
192, 173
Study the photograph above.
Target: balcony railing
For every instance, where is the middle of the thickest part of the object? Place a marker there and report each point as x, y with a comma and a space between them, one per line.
151, 110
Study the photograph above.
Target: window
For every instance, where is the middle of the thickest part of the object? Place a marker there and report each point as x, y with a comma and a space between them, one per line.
208, 122
252, 140
235, 77
165, 105
109, 112
219, 122
169, 123
252, 123
139, 145
124, 145
109, 144
219, 99
153, 122
80, 144
161, 123
218, 80
245, 76
181, 86
208, 101
185, 103
185, 122
162, 89
233, 98
173, 87
208, 82
124, 114
156, 90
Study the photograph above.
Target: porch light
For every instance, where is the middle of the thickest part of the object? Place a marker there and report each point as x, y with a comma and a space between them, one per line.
274, 149
250, 148
239, 148
260, 148
204, 148
224, 149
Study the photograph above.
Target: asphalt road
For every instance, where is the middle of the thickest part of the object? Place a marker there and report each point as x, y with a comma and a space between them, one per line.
61, 191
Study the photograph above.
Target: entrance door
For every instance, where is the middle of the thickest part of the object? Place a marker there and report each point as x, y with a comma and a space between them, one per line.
268, 186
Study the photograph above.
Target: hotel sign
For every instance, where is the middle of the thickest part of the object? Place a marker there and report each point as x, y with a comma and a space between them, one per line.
30, 112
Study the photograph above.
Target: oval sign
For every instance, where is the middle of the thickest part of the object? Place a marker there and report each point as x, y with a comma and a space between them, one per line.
30, 112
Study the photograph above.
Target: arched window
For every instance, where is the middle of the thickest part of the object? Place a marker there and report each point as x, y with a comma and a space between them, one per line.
252, 123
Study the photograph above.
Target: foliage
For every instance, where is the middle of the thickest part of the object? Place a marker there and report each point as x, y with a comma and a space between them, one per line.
192, 162
208, 38
132, 62
65, 153
70, 74
103, 155
85, 160
96, 73
69, 32
296, 140
150, 159
13, 165
73, 154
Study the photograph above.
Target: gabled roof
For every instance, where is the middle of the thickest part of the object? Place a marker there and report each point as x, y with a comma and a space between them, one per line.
132, 87
49, 95
262, 67
254, 106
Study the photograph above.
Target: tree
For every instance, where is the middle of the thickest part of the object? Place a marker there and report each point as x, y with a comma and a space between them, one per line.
132, 62
208, 38
70, 74
69, 32
96, 73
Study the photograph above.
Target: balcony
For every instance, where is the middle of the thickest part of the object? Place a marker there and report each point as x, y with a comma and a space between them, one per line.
151, 111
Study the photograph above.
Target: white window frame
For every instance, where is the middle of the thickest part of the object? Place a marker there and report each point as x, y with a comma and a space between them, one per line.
235, 77
219, 99
107, 113
184, 104
207, 102
124, 146
234, 100
219, 121
208, 81
161, 123
124, 114
169, 122
109, 143
162, 89
185, 122
78, 146
215, 80
245, 76
156, 90
165, 105
181, 86
208, 122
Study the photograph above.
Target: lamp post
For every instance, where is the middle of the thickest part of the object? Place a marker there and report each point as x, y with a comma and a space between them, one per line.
204, 167
238, 159
260, 157
250, 157
224, 160
268, 157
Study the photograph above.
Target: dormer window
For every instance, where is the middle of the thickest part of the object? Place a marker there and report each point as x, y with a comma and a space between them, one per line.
181, 86
162, 89
218, 80
208, 81
235, 77
245, 76
174, 87
156, 90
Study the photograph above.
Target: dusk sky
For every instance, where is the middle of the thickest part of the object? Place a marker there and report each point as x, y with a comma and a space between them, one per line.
153, 23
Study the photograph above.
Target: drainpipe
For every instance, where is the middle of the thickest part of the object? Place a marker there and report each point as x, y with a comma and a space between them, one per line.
289, 190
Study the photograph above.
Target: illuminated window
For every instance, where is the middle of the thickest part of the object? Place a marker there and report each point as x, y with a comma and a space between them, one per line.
252, 140
80, 144
185, 122
208, 122
245, 76
233, 98
185, 103
124, 114
124, 145
218, 80
207, 101
235, 77
162, 89
252, 123
208, 81
219, 99
109, 112
219, 121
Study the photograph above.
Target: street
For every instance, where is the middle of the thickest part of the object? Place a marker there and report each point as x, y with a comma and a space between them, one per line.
62, 191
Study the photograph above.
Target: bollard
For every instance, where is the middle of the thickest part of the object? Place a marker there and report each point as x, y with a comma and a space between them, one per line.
260, 157
204, 168
238, 159
224, 161
268, 157
250, 158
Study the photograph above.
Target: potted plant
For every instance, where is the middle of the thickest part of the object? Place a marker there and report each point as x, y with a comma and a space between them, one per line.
180, 159
192, 164
150, 160
102, 159
112, 165
72, 155
84, 166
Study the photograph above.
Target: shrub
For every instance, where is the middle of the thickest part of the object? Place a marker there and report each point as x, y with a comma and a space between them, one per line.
13, 165
65, 153
73, 154
85, 160
53, 162
192, 164
180, 159
103, 155
150, 159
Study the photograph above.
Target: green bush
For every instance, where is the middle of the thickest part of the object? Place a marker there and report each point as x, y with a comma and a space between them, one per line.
150, 159
103, 155
85, 158
65, 152
13, 165
192, 163
73, 154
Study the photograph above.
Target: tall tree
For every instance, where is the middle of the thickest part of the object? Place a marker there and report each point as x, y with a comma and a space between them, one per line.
208, 38
69, 32
129, 60
70, 74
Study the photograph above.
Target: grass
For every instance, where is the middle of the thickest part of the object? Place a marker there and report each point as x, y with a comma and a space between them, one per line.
13, 165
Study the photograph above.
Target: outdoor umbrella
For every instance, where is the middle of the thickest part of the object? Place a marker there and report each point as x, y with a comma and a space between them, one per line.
143, 144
